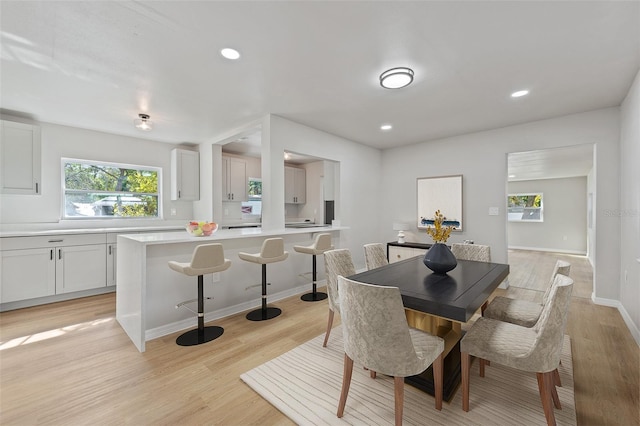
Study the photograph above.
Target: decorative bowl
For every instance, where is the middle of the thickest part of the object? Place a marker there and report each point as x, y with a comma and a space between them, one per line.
201, 229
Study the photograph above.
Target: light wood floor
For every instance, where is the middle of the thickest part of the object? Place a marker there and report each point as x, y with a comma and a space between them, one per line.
70, 363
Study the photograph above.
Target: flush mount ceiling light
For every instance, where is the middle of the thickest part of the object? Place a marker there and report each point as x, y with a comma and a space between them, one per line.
143, 123
519, 93
230, 53
386, 127
396, 78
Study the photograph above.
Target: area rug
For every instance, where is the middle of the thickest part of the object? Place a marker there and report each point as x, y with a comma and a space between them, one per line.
304, 384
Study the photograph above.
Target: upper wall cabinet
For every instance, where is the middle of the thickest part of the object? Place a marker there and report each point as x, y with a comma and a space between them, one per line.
295, 185
185, 175
234, 179
20, 158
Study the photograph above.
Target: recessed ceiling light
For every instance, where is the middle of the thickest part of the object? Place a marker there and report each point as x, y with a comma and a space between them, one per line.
396, 78
519, 93
386, 127
512, 176
229, 53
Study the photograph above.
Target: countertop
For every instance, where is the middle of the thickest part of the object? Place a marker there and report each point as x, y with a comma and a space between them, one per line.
225, 234
71, 231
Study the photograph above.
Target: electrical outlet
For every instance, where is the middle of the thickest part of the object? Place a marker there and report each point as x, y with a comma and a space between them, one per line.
494, 211
216, 277
173, 211
565, 238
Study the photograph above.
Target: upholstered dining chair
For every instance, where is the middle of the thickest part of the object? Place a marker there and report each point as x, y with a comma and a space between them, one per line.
524, 312
478, 252
536, 349
336, 262
376, 335
374, 255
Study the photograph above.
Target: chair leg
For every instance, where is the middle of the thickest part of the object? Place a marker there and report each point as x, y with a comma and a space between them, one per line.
329, 324
201, 334
438, 380
483, 362
554, 396
264, 313
545, 380
372, 374
315, 295
398, 386
556, 378
346, 382
465, 360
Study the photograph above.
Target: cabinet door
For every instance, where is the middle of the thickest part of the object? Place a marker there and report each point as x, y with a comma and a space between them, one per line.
27, 274
19, 158
80, 268
236, 182
289, 185
396, 254
185, 175
300, 186
112, 265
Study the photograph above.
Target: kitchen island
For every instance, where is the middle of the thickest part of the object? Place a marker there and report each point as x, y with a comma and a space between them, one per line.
148, 291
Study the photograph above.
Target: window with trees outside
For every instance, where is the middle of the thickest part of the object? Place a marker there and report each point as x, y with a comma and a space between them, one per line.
108, 190
525, 207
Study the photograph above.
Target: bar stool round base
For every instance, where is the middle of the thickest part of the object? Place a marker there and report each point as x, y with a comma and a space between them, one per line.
196, 337
313, 297
263, 314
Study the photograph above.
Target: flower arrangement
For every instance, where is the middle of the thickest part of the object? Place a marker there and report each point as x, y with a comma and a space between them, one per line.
439, 233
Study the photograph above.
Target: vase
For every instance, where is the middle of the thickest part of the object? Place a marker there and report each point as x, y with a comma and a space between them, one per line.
440, 259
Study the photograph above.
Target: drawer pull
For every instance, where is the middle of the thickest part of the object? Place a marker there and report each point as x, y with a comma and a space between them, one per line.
56, 241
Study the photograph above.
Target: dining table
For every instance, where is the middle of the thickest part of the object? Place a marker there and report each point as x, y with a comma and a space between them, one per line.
439, 304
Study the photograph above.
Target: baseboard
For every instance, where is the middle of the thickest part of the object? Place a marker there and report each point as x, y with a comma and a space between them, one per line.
633, 328
10, 306
174, 327
549, 250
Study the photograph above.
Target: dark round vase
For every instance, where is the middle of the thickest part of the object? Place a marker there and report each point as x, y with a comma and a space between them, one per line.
440, 259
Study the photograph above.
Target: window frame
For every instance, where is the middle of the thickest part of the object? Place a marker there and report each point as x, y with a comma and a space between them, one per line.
64, 192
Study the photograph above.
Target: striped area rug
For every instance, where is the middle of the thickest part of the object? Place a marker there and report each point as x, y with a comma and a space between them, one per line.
304, 384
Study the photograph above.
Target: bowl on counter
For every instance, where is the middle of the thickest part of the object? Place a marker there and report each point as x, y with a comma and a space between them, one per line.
201, 229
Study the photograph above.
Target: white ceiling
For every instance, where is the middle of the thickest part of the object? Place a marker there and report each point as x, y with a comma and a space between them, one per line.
96, 65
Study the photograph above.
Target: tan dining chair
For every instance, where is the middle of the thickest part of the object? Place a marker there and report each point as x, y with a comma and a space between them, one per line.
477, 252
336, 262
524, 312
536, 349
375, 255
376, 335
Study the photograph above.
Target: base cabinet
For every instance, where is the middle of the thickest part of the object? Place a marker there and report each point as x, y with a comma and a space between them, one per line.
34, 267
402, 251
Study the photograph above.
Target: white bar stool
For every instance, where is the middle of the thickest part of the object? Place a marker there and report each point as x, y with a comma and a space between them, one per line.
272, 251
321, 244
206, 259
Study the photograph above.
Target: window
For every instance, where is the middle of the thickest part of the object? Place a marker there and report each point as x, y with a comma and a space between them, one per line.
253, 207
524, 207
108, 190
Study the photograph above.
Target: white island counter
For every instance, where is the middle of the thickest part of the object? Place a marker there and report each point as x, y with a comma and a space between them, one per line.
147, 290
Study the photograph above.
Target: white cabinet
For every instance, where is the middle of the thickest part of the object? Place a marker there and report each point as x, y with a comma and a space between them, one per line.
396, 254
44, 266
112, 265
185, 175
295, 185
27, 274
20, 158
234, 179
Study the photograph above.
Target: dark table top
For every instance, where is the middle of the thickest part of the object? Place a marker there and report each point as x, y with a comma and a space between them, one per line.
456, 295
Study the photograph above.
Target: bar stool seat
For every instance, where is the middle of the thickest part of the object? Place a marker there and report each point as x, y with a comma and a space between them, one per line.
206, 259
321, 244
272, 251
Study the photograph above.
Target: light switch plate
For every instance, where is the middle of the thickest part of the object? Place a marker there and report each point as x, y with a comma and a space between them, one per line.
494, 211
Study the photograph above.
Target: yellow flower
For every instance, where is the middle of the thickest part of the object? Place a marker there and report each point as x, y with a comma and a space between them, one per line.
439, 233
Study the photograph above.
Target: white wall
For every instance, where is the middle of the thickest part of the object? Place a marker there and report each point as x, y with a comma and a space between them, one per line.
564, 228
482, 160
357, 192
70, 142
630, 206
